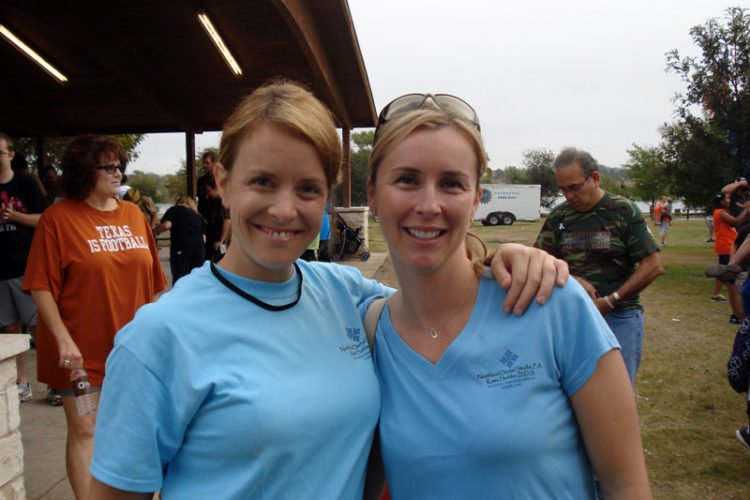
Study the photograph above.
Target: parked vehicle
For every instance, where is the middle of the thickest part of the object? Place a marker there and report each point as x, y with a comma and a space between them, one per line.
506, 203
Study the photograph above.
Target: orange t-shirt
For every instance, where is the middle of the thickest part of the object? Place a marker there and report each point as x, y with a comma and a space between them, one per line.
100, 268
724, 234
657, 212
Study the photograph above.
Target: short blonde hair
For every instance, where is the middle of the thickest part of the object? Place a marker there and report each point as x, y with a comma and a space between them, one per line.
392, 133
187, 201
288, 105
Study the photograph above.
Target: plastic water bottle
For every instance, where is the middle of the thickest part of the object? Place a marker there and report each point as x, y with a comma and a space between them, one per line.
85, 402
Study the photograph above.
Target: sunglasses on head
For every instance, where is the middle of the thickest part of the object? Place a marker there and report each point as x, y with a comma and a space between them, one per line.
454, 106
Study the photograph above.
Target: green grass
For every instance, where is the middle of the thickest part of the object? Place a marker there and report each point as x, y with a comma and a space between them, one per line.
688, 412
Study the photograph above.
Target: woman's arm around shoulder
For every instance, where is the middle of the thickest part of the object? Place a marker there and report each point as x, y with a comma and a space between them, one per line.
606, 414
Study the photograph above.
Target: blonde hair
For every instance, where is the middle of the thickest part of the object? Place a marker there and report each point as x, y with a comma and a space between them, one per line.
187, 201
288, 105
392, 133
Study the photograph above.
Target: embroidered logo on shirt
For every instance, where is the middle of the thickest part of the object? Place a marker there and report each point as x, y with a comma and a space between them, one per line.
353, 333
509, 374
359, 348
509, 358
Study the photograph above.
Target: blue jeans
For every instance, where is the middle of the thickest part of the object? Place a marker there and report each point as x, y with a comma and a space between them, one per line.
745, 292
628, 328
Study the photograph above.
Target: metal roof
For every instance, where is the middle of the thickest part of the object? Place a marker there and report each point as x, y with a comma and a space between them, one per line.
137, 66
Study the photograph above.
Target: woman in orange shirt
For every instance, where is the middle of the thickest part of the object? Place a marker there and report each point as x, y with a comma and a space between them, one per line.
724, 228
92, 264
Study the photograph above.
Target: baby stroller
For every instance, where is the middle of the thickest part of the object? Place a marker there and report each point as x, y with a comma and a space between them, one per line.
349, 241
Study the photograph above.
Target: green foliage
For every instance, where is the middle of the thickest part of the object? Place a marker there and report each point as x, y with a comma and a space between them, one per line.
176, 184
648, 172
614, 185
697, 162
54, 148
708, 151
538, 165
149, 185
360, 156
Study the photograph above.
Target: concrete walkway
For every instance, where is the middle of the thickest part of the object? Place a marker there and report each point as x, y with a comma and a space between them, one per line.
43, 428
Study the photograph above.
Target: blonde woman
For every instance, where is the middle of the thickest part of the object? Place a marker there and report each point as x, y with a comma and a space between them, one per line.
476, 403
187, 236
252, 378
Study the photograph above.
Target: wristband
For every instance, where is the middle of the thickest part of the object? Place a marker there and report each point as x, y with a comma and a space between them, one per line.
606, 299
617, 297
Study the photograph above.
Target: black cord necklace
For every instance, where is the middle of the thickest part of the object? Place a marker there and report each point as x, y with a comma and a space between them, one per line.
256, 300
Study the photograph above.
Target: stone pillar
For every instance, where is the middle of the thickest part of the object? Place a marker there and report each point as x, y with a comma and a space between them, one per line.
11, 448
355, 217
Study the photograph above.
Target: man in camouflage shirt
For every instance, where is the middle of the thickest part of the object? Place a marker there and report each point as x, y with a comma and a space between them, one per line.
607, 244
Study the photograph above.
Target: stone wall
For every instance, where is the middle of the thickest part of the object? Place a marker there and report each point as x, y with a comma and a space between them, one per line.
11, 448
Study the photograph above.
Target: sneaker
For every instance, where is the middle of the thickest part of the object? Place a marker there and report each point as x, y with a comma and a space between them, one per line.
734, 319
719, 298
723, 272
24, 392
53, 397
743, 435
710, 240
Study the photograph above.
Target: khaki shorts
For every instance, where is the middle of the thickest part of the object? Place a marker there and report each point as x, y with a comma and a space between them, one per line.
16, 305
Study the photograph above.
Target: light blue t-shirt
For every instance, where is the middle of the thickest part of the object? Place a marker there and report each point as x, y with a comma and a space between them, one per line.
492, 418
210, 396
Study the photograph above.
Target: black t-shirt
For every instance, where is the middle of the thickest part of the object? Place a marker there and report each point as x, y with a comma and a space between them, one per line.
187, 226
15, 239
741, 235
736, 204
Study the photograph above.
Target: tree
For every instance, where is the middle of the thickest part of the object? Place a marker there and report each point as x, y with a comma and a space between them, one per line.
696, 160
149, 184
538, 166
647, 170
360, 158
55, 147
718, 83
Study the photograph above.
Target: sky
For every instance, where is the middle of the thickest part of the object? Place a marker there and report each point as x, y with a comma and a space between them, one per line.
540, 74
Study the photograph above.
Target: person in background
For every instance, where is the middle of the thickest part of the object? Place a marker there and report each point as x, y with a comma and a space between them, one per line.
275, 396
710, 227
145, 204
724, 228
658, 210
187, 236
210, 207
665, 220
738, 373
51, 181
124, 188
607, 244
324, 254
21, 203
476, 403
739, 195
93, 263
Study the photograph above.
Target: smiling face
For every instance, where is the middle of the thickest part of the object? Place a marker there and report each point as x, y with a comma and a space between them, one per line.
425, 195
276, 193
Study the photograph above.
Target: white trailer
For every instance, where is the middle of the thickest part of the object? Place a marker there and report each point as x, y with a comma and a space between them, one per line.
507, 203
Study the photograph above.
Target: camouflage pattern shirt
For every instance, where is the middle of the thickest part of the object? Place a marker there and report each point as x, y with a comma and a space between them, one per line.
603, 245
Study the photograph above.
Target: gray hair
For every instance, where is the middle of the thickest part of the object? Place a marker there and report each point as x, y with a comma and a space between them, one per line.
571, 156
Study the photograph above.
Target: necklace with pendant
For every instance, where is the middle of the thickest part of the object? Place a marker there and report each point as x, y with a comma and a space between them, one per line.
433, 330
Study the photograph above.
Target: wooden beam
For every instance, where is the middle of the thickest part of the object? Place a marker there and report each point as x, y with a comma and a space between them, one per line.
346, 188
301, 22
190, 163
